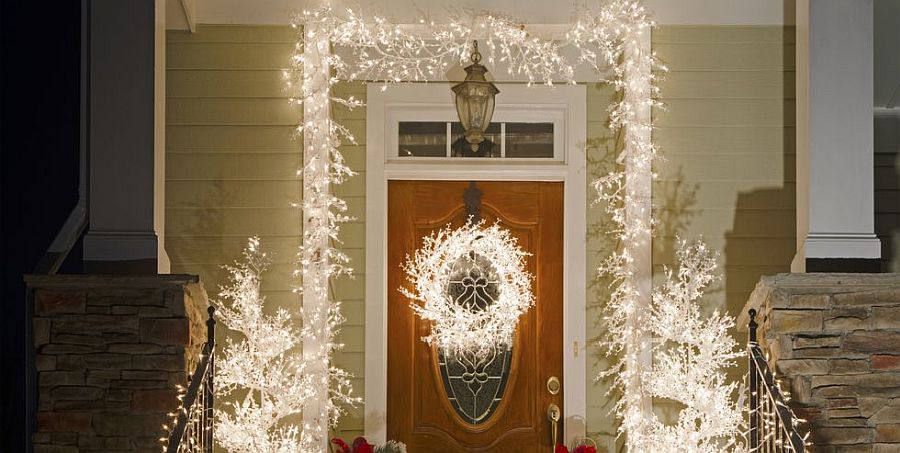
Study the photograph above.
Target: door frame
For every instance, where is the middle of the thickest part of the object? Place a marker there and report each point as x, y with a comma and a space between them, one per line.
572, 172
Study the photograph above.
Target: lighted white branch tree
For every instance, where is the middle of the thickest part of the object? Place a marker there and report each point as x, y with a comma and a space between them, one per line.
264, 372
691, 355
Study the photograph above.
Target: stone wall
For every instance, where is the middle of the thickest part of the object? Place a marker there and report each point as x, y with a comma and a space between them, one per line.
834, 341
109, 352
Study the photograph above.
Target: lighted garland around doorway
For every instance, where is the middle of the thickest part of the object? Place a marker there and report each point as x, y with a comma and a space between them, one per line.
471, 285
611, 40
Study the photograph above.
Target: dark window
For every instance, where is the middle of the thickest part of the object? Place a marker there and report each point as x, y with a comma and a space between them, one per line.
510, 140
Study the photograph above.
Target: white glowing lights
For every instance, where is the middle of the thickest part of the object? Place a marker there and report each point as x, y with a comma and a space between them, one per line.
319, 260
691, 354
687, 362
265, 371
389, 53
618, 30
386, 53
457, 326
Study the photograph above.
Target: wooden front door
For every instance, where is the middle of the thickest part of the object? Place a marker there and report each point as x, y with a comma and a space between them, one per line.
421, 410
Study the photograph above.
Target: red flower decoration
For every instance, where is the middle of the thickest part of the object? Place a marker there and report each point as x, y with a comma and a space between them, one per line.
360, 445
340, 443
585, 449
561, 449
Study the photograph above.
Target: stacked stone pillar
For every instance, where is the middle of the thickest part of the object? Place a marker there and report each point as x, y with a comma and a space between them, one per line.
109, 355
834, 343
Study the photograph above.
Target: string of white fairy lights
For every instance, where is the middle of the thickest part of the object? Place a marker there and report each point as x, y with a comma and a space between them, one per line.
387, 53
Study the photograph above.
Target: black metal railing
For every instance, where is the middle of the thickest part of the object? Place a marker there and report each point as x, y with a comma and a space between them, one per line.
772, 422
193, 431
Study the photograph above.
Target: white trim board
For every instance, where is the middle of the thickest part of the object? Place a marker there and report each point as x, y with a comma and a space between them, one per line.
380, 169
839, 245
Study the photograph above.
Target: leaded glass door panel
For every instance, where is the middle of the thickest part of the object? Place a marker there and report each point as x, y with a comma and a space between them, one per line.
494, 403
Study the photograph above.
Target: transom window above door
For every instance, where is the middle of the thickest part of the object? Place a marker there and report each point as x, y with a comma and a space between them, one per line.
518, 132
514, 140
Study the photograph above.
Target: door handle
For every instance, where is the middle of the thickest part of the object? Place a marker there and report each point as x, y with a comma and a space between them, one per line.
553, 414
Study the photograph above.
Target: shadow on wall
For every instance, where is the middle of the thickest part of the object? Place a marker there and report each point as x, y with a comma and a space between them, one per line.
194, 215
674, 208
762, 239
887, 190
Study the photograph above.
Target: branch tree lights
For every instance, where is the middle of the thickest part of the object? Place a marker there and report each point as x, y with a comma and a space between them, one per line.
386, 53
265, 371
692, 354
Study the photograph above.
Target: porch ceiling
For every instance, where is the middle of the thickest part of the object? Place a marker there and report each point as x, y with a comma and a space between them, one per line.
728, 12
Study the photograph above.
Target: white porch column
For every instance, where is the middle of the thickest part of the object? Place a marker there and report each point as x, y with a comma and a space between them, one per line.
835, 151
126, 131
316, 148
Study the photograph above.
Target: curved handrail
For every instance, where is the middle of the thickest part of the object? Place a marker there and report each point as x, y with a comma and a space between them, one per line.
772, 422
193, 430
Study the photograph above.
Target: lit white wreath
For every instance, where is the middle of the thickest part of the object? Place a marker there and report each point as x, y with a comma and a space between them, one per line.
471, 283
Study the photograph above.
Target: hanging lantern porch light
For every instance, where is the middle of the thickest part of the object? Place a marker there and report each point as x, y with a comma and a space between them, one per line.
474, 99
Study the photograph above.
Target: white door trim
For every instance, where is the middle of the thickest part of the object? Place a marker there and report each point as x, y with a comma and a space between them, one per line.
379, 170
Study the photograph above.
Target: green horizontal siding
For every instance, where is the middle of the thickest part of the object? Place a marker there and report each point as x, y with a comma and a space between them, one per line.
728, 139
887, 190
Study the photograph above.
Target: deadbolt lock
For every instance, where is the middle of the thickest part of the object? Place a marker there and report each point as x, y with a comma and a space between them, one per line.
553, 385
